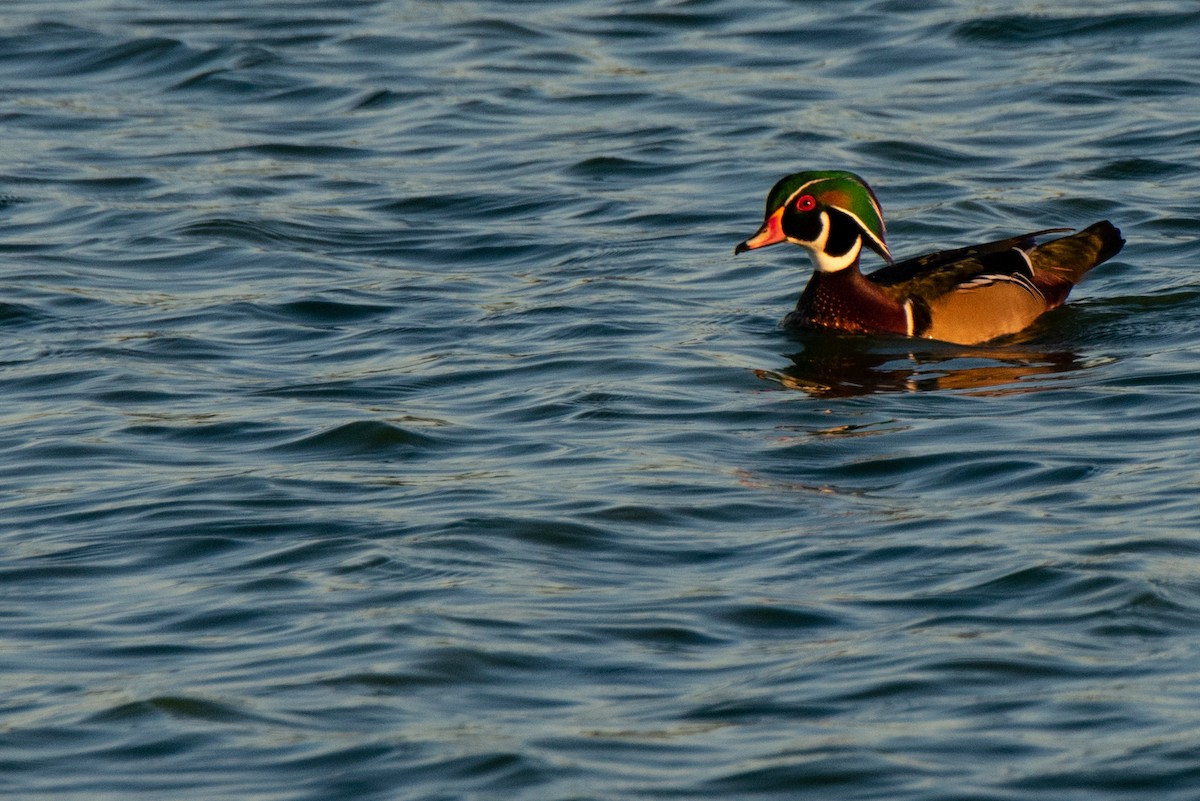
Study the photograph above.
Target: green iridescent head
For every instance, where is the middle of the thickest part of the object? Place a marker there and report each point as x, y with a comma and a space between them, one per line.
830, 212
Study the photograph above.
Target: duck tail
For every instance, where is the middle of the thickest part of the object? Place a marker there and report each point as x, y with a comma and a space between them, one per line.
1110, 240
1061, 263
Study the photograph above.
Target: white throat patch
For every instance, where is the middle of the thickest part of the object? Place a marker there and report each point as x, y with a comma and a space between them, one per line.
823, 261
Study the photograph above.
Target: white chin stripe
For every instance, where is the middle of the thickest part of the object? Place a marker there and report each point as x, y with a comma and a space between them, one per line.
831, 264
826, 263
823, 261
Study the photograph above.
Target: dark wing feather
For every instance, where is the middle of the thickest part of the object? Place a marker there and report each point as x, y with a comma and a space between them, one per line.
921, 266
971, 272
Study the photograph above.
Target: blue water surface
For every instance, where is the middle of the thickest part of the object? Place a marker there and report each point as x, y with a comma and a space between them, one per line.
385, 415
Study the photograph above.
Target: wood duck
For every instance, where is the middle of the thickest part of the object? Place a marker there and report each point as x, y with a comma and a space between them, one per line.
965, 296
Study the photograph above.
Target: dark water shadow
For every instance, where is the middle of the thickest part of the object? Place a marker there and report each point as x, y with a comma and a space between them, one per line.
854, 365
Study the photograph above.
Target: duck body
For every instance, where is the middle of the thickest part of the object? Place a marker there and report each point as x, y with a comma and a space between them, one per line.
966, 295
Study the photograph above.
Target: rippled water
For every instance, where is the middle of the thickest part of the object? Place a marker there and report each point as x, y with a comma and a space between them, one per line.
386, 416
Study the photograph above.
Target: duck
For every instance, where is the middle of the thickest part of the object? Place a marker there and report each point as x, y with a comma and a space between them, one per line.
966, 296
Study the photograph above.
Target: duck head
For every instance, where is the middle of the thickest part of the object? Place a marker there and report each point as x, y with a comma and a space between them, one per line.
831, 213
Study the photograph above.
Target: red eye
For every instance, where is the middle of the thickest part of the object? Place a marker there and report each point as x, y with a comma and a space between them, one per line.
806, 203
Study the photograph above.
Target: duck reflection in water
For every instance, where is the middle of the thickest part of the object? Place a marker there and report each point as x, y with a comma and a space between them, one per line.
852, 365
